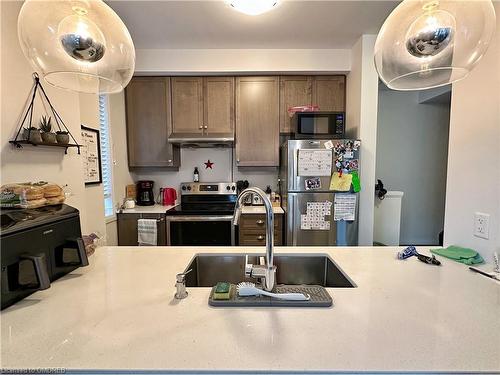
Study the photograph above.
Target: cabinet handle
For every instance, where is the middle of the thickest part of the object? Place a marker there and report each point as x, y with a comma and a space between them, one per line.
260, 222
260, 238
205, 127
169, 161
200, 127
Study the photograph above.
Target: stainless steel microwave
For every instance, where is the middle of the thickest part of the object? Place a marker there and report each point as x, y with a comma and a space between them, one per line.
318, 125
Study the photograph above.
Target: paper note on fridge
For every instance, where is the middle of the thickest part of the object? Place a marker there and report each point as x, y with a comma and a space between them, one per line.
315, 216
341, 182
344, 207
315, 163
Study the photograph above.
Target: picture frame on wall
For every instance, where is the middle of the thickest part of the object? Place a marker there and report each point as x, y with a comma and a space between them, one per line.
91, 152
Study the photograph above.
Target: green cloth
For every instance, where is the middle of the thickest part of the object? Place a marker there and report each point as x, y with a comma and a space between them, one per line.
460, 254
356, 184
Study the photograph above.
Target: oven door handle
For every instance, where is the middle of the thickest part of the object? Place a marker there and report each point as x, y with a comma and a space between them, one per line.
199, 218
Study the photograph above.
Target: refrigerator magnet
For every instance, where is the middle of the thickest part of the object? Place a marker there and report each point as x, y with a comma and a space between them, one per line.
313, 183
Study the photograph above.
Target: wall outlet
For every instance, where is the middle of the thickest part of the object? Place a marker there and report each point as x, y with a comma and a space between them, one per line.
482, 225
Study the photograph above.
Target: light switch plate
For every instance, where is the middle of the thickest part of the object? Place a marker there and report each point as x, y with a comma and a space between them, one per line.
482, 225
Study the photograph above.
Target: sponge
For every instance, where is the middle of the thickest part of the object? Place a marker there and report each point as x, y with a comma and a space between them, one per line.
222, 291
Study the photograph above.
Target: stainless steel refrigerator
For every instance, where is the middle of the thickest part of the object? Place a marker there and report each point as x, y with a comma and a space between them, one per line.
317, 214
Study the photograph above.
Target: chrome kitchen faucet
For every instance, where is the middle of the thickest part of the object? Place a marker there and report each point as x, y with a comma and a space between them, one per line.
265, 272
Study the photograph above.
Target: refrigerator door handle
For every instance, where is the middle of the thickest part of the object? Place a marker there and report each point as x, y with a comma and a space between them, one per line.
295, 216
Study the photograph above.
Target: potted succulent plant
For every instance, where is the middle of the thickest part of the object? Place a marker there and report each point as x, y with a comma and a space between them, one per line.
32, 134
62, 137
46, 126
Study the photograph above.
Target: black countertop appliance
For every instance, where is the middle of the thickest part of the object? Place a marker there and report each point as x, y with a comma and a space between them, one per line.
145, 194
38, 246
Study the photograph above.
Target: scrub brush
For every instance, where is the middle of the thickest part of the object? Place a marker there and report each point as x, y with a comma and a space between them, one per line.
249, 289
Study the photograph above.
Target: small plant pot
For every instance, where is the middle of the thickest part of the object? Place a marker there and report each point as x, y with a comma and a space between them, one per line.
33, 136
49, 137
62, 138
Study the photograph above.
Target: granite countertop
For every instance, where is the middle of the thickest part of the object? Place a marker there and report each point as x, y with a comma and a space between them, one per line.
119, 313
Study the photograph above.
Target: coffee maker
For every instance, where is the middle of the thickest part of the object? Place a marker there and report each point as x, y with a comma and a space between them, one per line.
145, 195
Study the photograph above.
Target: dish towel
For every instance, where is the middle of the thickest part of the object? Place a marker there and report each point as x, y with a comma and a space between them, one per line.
146, 232
460, 254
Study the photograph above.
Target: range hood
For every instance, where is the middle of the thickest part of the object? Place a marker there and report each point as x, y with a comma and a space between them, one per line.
208, 140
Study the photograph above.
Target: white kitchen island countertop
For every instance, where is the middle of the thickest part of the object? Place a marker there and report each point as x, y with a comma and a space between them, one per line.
119, 313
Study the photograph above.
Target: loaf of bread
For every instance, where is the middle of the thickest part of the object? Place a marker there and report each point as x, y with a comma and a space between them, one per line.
33, 192
51, 190
35, 203
55, 200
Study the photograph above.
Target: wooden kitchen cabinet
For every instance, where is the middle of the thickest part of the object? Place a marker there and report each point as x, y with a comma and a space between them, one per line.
148, 123
187, 105
257, 121
294, 91
252, 230
328, 92
202, 105
127, 228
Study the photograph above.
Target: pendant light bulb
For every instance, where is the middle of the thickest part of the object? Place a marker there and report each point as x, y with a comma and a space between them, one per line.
426, 44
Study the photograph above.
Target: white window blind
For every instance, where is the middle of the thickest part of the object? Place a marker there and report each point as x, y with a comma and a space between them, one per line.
106, 155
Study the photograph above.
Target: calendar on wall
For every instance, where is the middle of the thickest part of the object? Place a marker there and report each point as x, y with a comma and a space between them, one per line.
91, 151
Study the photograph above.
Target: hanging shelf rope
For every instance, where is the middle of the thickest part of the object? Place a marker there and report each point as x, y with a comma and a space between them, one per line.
24, 139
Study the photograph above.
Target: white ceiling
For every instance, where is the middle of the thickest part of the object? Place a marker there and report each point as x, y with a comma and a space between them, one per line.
214, 24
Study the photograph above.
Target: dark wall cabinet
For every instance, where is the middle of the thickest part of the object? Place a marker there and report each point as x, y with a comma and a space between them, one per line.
127, 228
149, 123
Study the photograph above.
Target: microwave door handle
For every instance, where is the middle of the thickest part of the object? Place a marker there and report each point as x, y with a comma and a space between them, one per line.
40, 266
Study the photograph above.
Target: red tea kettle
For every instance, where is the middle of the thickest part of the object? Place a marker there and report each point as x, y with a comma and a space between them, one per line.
168, 196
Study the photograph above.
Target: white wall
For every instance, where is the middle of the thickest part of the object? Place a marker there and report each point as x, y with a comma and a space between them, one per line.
230, 61
412, 150
473, 182
361, 122
34, 164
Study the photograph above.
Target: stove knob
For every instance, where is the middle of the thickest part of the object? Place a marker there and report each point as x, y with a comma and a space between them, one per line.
189, 187
184, 188
233, 188
228, 188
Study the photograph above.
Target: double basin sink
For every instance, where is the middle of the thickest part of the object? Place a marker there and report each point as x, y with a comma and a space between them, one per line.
296, 269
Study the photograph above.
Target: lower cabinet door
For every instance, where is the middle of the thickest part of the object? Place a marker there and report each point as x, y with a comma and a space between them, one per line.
127, 229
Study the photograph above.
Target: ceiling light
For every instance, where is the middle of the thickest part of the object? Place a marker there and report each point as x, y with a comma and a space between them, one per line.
425, 44
79, 45
253, 7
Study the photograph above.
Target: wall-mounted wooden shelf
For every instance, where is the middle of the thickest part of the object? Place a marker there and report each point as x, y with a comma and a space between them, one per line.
20, 144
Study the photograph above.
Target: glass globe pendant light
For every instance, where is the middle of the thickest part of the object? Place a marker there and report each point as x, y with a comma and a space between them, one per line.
79, 45
431, 43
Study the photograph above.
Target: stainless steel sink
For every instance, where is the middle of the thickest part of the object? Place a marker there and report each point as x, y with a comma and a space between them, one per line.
296, 269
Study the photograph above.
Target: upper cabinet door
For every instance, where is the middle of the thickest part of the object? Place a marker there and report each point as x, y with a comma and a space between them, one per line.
148, 123
257, 121
219, 105
329, 93
187, 105
294, 91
